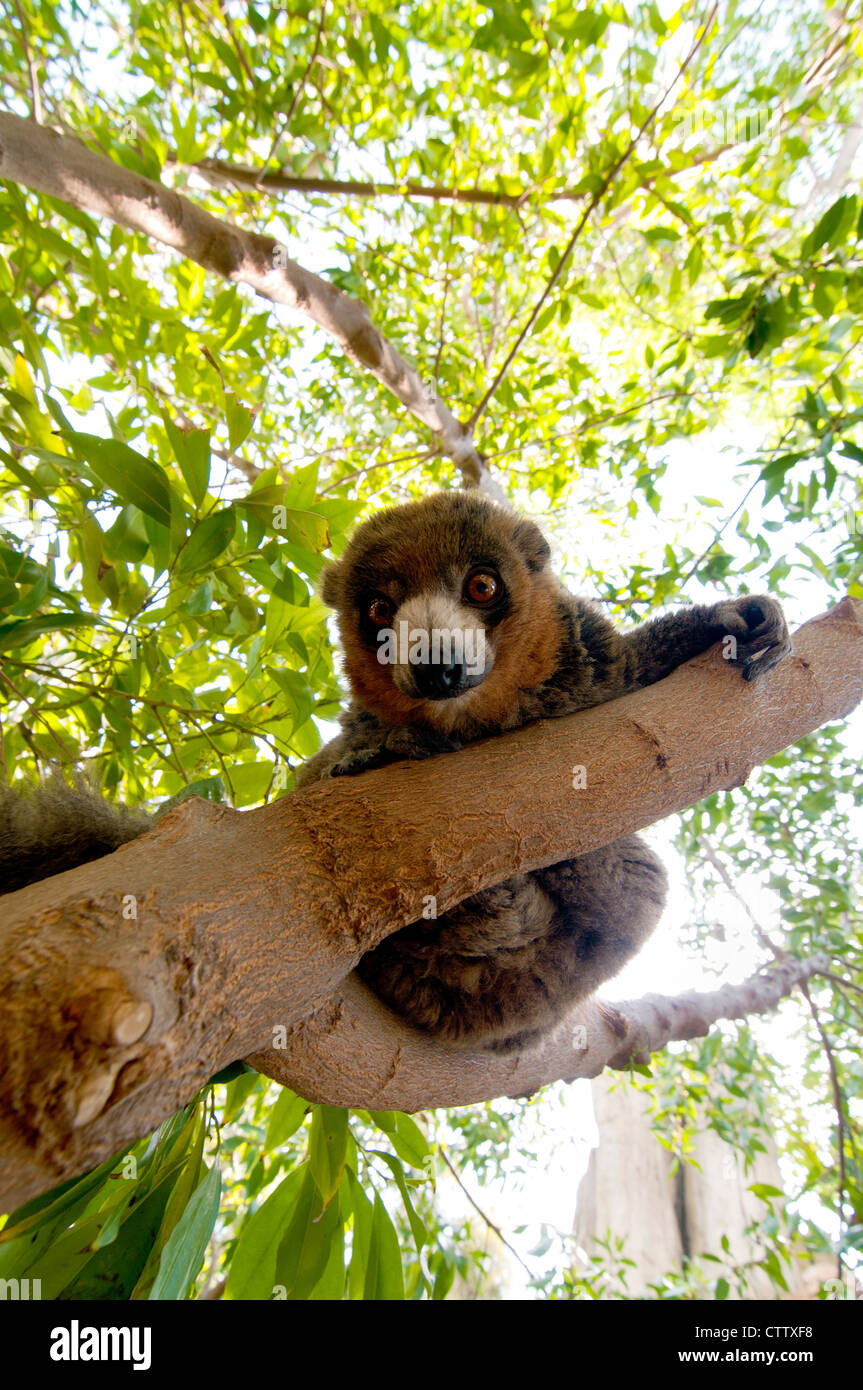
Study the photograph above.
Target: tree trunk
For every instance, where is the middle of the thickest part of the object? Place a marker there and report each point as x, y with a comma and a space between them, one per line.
666, 1214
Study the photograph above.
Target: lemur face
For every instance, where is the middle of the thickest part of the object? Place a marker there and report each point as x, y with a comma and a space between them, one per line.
446, 609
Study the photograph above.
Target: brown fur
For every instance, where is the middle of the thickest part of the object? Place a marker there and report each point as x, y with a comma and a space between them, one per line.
45, 830
505, 966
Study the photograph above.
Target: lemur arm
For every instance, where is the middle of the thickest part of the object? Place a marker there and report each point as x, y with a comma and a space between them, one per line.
755, 622
365, 743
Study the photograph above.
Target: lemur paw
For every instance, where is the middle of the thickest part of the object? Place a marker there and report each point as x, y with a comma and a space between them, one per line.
358, 760
405, 741
408, 741
758, 626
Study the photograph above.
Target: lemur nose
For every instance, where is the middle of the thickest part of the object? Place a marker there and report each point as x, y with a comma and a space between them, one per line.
436, 680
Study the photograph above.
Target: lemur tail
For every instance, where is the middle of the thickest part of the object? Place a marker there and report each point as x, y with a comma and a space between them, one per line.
47, 829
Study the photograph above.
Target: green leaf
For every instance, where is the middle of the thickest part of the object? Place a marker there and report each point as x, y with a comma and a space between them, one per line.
20, 633
231, 1073
294, 686
186, 1246
410, 1143
384, 1277
331, 1285
208, 539
385, 1119
240, 421
830, 228
193, 1136
192, 452
238, 1093
253, 1266
306, 529
418, 1230
285, 1119
362, 1238
126, 539
657, 23
764, 1190
328, 1141
31, 1229
77, 1271
130, 476
305, 1251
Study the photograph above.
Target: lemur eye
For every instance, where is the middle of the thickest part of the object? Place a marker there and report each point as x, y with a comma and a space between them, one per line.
381, 612
482, 587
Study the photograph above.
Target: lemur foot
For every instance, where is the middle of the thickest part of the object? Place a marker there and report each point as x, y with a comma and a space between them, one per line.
758, 625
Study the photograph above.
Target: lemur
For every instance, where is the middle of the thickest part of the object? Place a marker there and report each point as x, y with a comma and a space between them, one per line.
501, 969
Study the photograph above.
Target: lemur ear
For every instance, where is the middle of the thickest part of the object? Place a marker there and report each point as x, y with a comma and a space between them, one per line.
532, 544
331, 584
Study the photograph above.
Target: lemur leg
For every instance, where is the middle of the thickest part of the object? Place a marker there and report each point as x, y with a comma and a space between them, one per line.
607, 905
504, 966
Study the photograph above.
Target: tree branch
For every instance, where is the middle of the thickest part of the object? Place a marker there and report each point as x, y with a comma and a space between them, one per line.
58, 165
224, 173
128, 982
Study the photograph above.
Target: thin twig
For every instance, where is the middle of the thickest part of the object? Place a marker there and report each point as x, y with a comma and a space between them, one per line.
847, 984
773, 451
284, 124
417, 456
840, 1117
35, 95
35, 714
190, 67
592, 423
235, 43
764, 940
223, 171
585, 216
487, 1219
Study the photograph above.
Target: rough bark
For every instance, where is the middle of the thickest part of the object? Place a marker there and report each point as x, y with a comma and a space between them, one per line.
126, 983
39, 158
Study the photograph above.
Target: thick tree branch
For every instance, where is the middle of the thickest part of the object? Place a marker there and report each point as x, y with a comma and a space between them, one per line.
128, 982
41, 159
351, 1042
